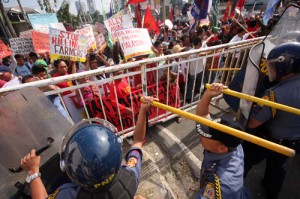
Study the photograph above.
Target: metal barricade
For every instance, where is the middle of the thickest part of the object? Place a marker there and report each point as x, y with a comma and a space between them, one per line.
177, 80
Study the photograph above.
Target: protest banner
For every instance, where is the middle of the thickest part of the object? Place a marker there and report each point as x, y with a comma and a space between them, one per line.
111, 110
100, 42
4, 51
26, 33
67, 45
134, 42
41, 22
89, 33
114, 24
59, 26
21, 45
41, 42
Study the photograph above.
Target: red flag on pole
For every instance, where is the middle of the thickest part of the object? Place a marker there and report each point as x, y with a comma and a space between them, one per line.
241, 4
138, 16
150, 23
227, 11
171, 13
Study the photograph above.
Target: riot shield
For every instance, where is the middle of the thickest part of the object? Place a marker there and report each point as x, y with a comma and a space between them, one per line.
256, 76
28, 120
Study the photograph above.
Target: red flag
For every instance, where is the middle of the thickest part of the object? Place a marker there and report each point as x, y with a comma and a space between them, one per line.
241, 4
150, 23
135, 1
171, 13
138, 16
227, 11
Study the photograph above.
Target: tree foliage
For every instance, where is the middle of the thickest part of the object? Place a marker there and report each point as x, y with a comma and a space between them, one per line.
46, 5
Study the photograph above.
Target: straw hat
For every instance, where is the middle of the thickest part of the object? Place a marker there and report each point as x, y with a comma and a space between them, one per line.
177, 49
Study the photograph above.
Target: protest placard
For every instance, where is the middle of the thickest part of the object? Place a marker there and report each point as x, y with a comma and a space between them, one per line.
134, 42
114, 24
21, 45
41, 42
67, 45
41, 22
4, 51
101, 42
26, 33
89, 33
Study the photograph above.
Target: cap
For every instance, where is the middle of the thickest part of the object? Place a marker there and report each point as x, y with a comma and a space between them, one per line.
41, 62
177, 49
4, 69
165, 44
214, 134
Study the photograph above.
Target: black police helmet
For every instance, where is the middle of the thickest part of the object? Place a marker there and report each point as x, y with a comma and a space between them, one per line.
91, 153
283, 60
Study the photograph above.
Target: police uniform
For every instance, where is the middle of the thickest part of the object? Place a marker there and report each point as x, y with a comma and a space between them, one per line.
125, 188
278, 126
222, 175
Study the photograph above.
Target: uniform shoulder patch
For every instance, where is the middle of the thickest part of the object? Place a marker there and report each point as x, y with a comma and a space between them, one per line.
132, 161
209, 191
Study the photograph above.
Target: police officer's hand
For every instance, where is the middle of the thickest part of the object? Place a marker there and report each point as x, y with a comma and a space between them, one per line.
146, 102
216, 89
31, 163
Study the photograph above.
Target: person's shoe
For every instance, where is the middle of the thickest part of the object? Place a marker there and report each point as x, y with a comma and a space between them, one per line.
129, 140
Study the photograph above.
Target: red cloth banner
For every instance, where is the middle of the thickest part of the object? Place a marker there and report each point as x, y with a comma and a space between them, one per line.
127, 120
41, 42
4, 51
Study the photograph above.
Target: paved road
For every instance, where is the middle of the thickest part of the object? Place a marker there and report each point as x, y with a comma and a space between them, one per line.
172, 162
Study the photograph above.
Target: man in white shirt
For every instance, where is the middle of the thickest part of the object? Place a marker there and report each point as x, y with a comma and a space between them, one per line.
240, 36
195, 72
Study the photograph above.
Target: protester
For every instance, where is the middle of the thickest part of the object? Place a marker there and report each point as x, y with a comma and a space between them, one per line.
195, 73
23, 68
62, 70
7, 76
223, 163
106, 178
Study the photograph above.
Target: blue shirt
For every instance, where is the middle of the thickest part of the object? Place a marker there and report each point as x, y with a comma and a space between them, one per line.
281, 124
133, 164
229, 168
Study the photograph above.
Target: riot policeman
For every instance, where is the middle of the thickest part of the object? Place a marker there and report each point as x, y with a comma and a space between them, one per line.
91, 155
276, 125
223, 163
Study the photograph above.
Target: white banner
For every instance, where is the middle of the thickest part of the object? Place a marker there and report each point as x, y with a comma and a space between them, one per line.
134, 42
101, 42
21, 45
67, 45
118, 23
89, 33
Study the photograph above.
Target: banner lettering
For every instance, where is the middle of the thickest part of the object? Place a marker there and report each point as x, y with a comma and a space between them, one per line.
100, 42
21, 45
88, 32
67, 45
114, 24
134, 42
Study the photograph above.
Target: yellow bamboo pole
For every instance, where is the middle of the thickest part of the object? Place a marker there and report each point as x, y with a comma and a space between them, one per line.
223, 69
237, 133
260, 100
